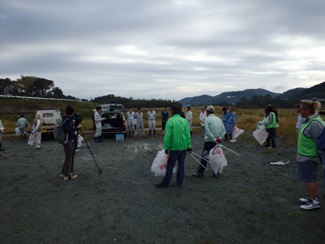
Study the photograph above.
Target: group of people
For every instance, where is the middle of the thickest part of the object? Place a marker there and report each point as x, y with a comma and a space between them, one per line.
135, 122
229, 119
22, 126
177, 141
310, 146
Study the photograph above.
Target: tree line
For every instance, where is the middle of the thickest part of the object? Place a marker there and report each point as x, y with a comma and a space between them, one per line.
135, 103
30, 86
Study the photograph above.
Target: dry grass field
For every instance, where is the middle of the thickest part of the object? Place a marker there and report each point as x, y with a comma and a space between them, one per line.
246, 119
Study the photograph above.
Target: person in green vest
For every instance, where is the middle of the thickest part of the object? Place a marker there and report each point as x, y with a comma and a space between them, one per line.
270, 126
308, 156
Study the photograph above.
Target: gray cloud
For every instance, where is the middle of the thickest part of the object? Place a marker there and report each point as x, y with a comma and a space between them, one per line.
163, 49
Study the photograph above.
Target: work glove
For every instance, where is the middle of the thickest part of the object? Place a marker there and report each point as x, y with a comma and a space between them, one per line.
218, 140
189, 150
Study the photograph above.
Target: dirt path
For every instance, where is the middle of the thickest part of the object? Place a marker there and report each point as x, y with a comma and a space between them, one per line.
252, 202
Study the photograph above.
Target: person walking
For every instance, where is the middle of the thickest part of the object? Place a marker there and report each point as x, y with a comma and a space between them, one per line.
270, 126
22, 125
308, 156
98, 124
138, 116
202, 117
69, 127
37, 131
1, 131
130, 121
189, 118
214, 131
151, 115
231, 123
177, 140
164, 118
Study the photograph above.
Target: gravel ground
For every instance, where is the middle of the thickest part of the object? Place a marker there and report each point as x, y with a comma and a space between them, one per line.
252, 201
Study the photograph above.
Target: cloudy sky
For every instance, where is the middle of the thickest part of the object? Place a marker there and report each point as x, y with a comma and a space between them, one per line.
168, 49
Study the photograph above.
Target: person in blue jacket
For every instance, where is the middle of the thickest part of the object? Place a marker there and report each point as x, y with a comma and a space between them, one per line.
225, 117
231, 123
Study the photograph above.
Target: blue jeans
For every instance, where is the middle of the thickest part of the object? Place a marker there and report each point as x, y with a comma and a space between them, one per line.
173, 157
270, 140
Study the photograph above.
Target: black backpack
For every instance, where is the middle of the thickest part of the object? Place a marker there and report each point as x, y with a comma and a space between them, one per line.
59, 135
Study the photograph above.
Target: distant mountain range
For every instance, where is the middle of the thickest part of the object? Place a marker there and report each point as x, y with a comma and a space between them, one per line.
317, 91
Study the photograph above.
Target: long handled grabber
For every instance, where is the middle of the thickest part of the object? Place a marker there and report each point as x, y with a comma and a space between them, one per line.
229, 149
99, 170
192, 154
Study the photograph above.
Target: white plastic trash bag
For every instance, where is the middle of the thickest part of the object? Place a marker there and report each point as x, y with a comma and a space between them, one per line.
80, 139
217, 159
17, 131
31, 139
237, 132
260, 134
1, 126
159, 164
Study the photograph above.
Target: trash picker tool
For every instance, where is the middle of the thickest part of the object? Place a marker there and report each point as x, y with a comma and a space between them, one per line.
192, 154
229, 149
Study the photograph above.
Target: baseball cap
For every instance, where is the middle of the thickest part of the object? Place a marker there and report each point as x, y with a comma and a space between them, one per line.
210, 108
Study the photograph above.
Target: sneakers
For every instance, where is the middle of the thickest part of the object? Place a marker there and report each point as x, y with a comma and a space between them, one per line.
198, 175
310, 205
70, 177
305, 200
161, 185
233, 140
62, 175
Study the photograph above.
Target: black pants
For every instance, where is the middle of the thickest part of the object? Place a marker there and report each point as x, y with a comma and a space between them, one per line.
206, 149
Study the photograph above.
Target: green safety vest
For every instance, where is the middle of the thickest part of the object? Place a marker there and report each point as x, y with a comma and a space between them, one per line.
307, 145
273, 124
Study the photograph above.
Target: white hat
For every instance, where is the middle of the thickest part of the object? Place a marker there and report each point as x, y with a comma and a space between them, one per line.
210, 108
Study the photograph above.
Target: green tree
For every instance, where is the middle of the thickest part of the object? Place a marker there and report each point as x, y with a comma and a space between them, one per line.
6, 86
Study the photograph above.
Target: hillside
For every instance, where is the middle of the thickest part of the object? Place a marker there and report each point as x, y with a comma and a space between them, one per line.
227, 97
293, 95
